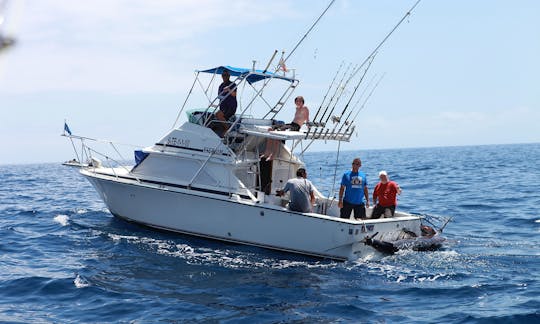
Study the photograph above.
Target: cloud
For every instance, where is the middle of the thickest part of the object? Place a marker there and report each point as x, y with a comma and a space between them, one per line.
122, 46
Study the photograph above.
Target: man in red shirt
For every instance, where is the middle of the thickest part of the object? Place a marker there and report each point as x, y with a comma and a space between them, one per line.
385, 196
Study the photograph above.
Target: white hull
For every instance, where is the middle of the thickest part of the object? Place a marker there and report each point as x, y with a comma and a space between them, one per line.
234, 219
201, 180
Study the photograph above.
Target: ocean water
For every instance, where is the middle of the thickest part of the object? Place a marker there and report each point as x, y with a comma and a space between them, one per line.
64, 258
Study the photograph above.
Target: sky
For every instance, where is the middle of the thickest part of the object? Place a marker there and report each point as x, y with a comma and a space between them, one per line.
455, 72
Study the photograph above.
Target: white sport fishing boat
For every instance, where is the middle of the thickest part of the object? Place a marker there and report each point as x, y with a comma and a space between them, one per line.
194, 181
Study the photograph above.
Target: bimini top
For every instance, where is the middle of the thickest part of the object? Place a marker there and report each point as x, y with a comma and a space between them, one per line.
254, 75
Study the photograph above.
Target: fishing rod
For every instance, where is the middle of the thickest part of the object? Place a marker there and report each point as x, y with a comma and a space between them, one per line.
381, 43
337, 100
339, 119
334, 94
368, 86
328, 91
369, 95
347, 122
283, 61
324, 98
320, 123
407, 14
357, 85
376, 49
365, 101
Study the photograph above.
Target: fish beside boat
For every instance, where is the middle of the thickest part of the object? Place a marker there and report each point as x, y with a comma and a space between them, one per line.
429, 240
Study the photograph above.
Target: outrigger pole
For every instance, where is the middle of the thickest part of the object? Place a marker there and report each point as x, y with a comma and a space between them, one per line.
407, 14
309, 30
266, 81
356, 70
270, 61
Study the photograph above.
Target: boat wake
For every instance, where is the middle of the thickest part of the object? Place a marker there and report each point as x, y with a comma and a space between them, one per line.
246, 258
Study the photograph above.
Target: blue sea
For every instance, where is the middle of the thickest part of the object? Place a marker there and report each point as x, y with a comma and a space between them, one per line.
64, 258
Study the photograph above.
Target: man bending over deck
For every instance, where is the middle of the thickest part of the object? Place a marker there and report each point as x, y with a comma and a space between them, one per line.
302, 197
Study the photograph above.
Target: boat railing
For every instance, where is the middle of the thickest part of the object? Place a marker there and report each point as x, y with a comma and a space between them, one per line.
109, 162
93, 154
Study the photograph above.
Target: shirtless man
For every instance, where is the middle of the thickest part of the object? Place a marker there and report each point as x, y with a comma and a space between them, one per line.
301, 116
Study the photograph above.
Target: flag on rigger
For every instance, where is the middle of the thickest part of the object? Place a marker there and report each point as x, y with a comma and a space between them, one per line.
66, 128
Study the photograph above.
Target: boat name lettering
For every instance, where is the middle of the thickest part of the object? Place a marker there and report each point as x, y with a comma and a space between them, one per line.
177, 141
207, 149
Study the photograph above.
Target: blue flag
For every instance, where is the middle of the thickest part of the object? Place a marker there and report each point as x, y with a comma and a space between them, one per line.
66, 128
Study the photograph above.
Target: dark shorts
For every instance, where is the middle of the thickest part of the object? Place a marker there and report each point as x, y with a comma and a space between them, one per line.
228, 111
294, 127
379, 210
359, 210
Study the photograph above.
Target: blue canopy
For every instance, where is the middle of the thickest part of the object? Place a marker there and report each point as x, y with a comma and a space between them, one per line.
255, 76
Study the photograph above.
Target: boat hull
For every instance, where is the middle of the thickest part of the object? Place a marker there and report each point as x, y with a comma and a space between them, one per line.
230, 218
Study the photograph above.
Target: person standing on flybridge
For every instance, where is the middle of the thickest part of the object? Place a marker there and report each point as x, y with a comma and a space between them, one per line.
228, 103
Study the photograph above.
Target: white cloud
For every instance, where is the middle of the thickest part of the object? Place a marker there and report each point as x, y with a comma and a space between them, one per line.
121, 46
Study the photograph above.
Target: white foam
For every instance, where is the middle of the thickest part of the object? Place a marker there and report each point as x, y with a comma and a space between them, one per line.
226, 258
116, 237
401, 278
80, 282
537, 221
62, 219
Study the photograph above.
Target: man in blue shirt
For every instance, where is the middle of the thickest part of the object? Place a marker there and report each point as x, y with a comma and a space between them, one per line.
354, 185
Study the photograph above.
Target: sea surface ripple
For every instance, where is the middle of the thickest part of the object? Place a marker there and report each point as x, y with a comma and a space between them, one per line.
64, 258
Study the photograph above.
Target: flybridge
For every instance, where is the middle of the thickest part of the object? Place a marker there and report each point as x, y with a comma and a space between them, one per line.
268, 103
250, 75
